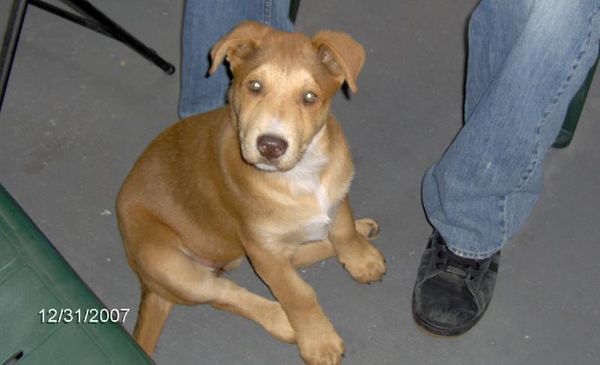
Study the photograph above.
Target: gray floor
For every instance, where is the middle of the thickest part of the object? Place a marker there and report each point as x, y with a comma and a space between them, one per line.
81, 107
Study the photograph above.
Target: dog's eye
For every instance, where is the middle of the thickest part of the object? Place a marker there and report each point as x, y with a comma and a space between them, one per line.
254, 86
310, 97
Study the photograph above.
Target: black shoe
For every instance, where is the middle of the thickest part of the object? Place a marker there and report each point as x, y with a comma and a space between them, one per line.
451, 292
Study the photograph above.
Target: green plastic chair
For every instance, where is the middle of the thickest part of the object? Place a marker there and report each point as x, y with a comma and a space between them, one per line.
574, 112
34, 277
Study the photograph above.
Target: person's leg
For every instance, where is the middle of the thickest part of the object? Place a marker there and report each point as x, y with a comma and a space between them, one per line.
204, 23
526, 61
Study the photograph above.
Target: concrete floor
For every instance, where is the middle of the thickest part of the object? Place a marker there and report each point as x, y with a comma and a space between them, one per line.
80, 108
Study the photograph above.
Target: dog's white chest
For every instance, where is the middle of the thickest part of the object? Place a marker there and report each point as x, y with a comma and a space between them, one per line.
305, 180
317, 227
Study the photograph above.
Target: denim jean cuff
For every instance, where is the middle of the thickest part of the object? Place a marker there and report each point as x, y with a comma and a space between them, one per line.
471, 255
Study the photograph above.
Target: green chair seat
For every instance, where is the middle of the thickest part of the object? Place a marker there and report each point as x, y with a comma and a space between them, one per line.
574, 112
34, 277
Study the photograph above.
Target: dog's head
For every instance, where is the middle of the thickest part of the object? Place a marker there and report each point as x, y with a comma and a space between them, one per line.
282, 88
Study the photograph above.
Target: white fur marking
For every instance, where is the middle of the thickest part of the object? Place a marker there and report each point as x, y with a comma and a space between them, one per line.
277, 128
318, 226
265, 167
305, 178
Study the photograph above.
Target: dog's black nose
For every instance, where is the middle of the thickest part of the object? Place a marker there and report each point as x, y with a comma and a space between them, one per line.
271, 146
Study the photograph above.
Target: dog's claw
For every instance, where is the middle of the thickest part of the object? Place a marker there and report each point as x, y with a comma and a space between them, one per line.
371, 233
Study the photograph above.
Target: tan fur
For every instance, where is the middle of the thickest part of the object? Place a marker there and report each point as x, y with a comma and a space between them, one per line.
201, 196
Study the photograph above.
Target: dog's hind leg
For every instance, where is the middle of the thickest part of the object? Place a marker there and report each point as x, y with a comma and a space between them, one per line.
152, 316
312, 252
171, 275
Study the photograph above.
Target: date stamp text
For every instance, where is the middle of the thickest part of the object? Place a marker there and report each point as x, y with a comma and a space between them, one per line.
83, 316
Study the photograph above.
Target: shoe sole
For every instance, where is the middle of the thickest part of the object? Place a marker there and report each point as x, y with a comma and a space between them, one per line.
438, 332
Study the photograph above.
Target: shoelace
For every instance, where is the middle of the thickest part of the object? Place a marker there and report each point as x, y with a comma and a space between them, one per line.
456, 265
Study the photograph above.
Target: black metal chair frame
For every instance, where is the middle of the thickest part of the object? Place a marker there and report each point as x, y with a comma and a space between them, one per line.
89, 17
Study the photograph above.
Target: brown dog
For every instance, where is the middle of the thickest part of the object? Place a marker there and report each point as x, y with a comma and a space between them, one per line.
266, 176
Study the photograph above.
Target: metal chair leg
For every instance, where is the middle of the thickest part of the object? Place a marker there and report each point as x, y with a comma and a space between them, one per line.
92, 19
10, 42
119, 33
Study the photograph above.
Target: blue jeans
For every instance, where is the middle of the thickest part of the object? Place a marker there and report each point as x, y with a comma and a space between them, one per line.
527, 59
204, 23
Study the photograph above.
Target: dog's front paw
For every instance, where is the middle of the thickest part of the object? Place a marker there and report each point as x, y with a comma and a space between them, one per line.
365, 264
321, 347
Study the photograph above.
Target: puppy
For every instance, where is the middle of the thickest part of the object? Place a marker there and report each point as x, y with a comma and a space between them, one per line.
267, 177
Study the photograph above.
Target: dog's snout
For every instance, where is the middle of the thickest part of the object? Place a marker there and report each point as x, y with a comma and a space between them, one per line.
271, 147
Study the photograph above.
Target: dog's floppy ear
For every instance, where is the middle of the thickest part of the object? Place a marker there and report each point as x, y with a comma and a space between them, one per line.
343, 55
240, 42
